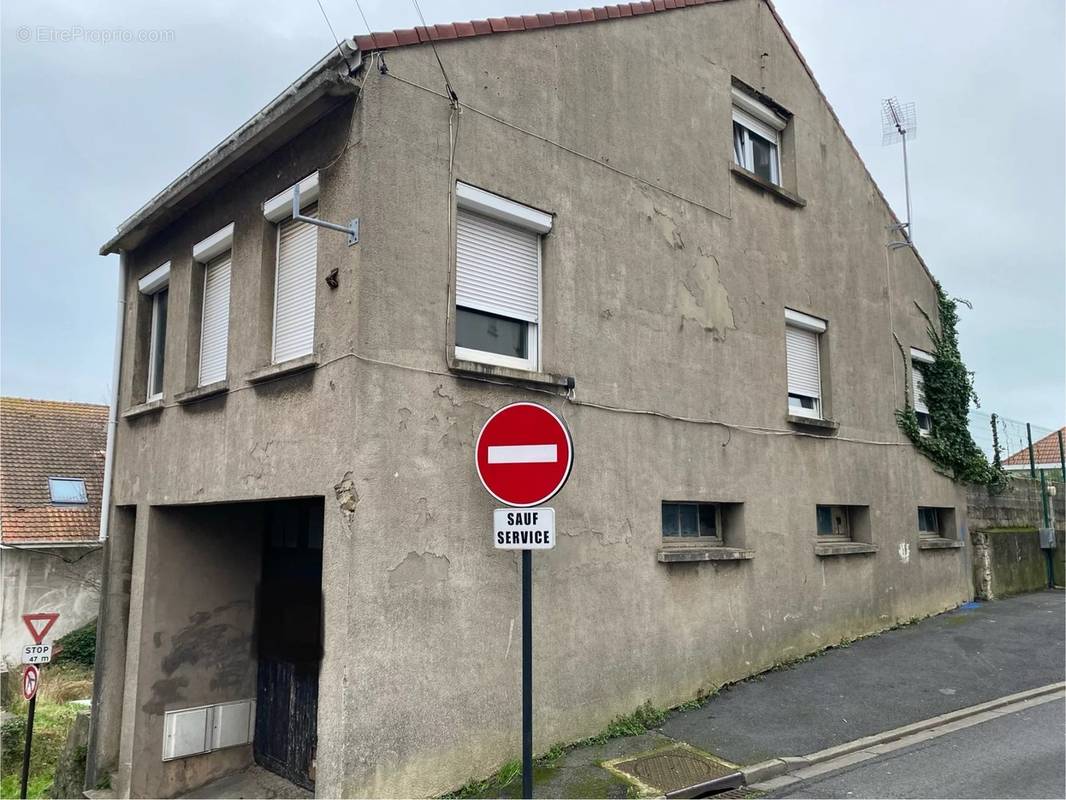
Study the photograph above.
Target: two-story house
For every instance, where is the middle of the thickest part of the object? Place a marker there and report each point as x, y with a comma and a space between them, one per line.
646, 217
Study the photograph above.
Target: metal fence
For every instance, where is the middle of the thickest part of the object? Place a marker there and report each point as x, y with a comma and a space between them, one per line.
1010, 439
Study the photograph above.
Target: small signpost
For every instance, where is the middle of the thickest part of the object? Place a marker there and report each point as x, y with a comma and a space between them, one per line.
40, 652
523, 457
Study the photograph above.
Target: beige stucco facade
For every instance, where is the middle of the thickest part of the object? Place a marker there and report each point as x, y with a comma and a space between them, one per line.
665, 280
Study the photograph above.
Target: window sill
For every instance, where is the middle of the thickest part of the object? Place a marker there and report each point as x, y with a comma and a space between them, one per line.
462, 366
936, 543
271, 371
673, 554
141, 409
826, 425
202, 392
823, 549
766, 186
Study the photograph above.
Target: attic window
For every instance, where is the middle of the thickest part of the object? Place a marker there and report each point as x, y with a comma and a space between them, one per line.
67, 491
757, 137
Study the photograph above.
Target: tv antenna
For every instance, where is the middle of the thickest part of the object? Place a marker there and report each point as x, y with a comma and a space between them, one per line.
899, 122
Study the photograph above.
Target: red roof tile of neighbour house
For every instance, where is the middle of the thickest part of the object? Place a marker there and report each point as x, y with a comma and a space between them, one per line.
42, 439
1045, 452
526, 22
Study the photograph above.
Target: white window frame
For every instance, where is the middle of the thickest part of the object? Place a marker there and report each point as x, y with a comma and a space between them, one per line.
797, 319
278, 210
151, 285
206, 252
921, 357
479, 201
758, 118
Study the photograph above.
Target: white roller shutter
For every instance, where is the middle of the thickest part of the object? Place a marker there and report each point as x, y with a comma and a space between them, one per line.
919, 389
497, 267
214, 330
294, 291
804, 367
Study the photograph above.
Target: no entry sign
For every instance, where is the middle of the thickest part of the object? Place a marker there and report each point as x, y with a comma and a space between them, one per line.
524, 454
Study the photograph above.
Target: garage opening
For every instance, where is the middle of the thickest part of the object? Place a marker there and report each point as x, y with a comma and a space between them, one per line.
289, 640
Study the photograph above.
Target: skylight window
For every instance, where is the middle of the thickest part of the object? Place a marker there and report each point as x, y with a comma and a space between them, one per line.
68, 491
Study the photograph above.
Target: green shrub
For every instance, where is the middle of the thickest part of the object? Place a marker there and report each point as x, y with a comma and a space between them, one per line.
79, 646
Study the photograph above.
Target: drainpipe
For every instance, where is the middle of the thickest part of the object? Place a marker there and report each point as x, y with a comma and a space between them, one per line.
112, 414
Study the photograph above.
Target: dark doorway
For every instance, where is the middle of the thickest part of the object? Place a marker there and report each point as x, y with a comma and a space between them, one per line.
290, 641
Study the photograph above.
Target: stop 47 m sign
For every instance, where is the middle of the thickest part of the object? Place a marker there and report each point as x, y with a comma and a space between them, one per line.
524, 454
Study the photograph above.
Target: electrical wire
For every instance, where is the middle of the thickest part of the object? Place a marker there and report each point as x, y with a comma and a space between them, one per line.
452, 96
361, 14
329, 25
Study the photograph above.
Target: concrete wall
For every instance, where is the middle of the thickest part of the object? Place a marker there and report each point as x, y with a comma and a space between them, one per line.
665, 283
192, 624
63, 579
1007, 555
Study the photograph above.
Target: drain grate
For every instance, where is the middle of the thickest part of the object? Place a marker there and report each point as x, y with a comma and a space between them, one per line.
677, 768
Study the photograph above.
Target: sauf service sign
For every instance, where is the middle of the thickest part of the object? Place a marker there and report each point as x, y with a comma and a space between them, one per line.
533, 529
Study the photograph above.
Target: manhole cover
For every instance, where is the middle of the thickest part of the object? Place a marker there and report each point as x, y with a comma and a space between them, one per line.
674, 769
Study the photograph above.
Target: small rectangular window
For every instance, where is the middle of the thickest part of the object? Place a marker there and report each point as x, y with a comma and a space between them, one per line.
692, 521
834, 521
757, 137
803, 361
67, 491
215, 253
929, 522
295, 279
497, 279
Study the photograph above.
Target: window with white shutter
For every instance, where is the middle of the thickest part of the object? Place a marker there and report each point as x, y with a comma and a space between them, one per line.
294, 289
214, 328
156, 286
921, 410
803, 358
498, 279
756, 136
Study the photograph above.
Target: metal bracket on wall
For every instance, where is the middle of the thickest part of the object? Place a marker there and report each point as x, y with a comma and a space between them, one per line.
352, 228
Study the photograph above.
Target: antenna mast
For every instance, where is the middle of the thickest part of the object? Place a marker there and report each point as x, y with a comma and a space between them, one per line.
899, 122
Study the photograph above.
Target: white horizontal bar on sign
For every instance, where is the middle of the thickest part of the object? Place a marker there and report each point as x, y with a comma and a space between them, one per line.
523, 454
155, 280
805, 321
492, 205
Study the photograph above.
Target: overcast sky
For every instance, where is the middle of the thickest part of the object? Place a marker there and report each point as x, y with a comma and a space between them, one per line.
92, 129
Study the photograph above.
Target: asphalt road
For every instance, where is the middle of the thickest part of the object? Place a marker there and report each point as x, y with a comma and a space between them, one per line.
1018, 755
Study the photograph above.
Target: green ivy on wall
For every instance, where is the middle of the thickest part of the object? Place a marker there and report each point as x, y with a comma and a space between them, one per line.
948, 393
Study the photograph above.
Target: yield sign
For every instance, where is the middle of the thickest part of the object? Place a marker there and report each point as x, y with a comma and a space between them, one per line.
524, 454
40, 624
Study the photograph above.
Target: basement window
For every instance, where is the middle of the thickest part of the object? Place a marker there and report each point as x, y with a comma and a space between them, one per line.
757, 137
834, 522
67, 491
696, 522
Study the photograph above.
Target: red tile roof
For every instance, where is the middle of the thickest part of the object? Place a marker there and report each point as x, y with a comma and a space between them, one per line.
41, 439
1045, 451
527, 22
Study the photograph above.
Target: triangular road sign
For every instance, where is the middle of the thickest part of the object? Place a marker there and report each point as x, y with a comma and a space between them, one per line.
40, 624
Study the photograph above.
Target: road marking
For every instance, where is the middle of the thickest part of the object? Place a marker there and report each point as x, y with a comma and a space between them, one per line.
523, 454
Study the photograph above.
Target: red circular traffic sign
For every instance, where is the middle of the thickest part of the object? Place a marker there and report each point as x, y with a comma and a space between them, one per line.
31, 679
524, 454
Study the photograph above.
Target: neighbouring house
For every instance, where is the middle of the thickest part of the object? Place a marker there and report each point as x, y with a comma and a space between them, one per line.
1047, 457
51, 476
644, 216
